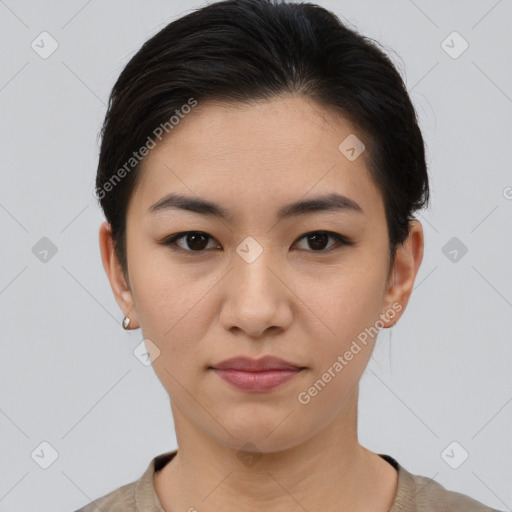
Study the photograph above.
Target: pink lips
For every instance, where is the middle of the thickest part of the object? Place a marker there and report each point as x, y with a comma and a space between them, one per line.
256, 375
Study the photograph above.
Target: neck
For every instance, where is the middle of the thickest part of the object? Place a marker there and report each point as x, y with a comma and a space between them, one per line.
329, 471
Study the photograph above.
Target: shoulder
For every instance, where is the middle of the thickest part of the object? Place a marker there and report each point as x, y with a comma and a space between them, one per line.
417, 493
120, 500
431, 496
139, 495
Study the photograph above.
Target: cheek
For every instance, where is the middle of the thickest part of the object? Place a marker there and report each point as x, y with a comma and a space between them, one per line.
176, 323
167, 295
175, 313
345, 340
349, 309
346, 302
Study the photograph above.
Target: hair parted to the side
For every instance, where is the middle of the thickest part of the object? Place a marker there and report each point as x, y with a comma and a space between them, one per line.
249, 50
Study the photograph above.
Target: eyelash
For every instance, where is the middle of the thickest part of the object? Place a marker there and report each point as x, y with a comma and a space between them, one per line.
171, 241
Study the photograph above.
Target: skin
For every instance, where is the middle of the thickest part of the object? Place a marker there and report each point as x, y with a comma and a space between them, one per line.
302, 302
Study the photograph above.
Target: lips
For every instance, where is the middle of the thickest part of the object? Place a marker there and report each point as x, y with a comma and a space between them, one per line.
256, 375
264, 363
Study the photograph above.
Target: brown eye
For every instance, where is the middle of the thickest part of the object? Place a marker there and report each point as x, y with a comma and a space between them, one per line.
194, 241
317, 240
197, 241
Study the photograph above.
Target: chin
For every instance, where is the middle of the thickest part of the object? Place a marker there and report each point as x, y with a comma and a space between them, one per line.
263, 436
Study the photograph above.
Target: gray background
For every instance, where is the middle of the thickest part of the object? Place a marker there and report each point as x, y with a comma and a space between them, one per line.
68, 373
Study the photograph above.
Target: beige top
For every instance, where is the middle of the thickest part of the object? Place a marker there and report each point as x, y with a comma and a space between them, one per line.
414, 494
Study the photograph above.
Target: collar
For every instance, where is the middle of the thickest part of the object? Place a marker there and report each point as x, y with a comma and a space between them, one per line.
146, 498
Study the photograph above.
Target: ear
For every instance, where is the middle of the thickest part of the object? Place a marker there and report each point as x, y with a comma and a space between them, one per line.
115, 274
405, 267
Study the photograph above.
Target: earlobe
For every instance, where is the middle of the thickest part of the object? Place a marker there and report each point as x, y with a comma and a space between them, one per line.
115, 274
405, 268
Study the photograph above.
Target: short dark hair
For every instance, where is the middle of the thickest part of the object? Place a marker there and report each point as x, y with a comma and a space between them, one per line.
248, 50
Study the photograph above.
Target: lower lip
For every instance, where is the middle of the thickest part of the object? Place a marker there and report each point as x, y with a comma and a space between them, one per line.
256, 381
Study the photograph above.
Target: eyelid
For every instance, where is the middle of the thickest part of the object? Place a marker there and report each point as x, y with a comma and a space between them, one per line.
170, 241
341, 239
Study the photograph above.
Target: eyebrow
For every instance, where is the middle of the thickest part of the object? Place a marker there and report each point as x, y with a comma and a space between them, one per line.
329, 202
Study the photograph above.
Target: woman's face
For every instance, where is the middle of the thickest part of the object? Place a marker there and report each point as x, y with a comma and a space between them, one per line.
252, 284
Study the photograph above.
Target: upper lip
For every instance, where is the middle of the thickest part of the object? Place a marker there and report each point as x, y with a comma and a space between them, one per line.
254, 365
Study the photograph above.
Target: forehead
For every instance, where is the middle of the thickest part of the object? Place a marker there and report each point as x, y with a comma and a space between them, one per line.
273, 150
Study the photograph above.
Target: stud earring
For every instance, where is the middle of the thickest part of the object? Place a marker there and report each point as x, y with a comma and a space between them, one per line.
126, 323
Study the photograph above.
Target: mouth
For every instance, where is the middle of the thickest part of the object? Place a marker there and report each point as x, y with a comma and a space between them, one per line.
247, 364
256, 375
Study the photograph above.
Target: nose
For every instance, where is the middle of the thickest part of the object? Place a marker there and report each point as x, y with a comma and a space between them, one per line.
258, 299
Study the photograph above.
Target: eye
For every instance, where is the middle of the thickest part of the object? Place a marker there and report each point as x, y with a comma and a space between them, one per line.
197, 241
318, 240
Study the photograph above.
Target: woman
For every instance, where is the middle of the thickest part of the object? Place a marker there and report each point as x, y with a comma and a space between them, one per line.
259, 170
